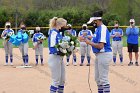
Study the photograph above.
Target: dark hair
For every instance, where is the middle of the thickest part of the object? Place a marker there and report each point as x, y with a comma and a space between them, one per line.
98, 13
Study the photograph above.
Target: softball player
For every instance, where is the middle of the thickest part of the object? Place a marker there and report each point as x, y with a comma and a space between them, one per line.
102, 48
24, 47
117, 45
7, 45
132, 33
38, 45
72, 32
84, 48
55, 61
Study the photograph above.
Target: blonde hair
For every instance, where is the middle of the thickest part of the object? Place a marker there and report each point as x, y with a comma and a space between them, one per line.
55, 22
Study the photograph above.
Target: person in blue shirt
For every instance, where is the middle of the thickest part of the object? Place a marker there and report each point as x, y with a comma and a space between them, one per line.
38, 45
23, 47
72, 32
8, 47
84, 48
132, 33
102, 49
55, 61
117, 34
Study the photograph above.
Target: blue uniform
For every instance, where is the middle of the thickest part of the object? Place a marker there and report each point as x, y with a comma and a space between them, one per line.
8, 46
114, 31
117, 43
84, 48
55, 62
38, 47
23, 47
103, 58
132, 35
54, 38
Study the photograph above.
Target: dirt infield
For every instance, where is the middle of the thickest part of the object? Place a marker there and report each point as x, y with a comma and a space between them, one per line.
123, 79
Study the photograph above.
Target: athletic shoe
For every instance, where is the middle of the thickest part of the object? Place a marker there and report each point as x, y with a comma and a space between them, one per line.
114, 64
6, 64
75, 64
121, 63
67, 64
136, 63
36, 64
81, 64
11, 64
88, 64
42, 64
130, 64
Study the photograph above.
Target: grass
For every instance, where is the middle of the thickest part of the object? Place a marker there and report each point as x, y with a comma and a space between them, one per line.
45, 43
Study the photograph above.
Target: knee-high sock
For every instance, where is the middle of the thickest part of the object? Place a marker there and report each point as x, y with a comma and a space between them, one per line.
106, 88
26, 59
114, 59
41, 58
68, 58
88, 59
100, 89
121, 58
6, 58
74, 58
23, 57
60, 89
36, 57
82, 59
53, 89
11, 58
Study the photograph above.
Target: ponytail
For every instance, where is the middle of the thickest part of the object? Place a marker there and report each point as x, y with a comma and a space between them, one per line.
53, 22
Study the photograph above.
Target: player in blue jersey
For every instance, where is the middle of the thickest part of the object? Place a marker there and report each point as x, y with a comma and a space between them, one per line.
55, 61
132, 33
117, 34
7, 45
38, 45
102, 48
23, 47
72, 32
84, 48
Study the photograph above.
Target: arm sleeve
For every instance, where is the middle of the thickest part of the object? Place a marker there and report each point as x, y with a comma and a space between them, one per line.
102, 34
53, 39
127, 31
136, 31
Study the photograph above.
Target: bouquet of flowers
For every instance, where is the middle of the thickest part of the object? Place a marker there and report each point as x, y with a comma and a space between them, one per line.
27, 32
39, 41
67, 45
8, 35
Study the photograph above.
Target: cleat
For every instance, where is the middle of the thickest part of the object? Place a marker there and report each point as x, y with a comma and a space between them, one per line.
130, 64
81, 64
88, 64
67, 64
136, 63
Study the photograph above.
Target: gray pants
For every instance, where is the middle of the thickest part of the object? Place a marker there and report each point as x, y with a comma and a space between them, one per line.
85, 49
57, 68
102, 61
24, 49
117, 47
8, 47
39, 50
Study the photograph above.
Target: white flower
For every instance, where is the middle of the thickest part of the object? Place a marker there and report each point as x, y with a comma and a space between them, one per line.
64, 51
72, 42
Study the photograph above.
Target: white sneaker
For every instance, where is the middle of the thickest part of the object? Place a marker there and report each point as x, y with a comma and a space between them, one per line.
11, 64
121, 63
67, 64
74, 63
114, 64
6, 64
